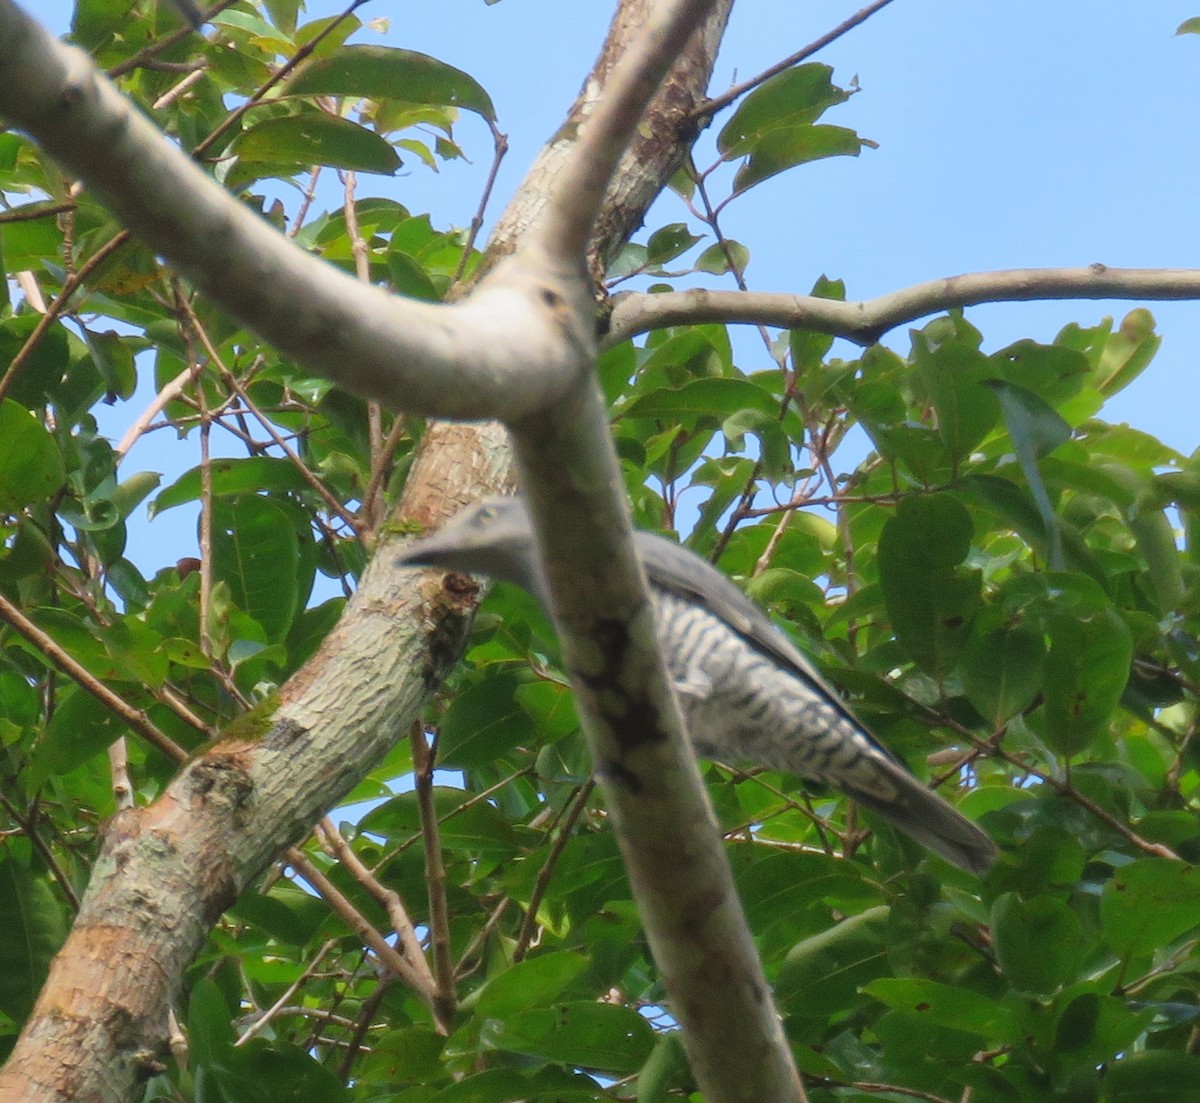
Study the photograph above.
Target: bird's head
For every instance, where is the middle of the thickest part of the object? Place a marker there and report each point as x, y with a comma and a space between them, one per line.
492, 537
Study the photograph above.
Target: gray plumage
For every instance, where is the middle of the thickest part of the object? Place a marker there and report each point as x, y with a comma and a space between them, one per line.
746, 691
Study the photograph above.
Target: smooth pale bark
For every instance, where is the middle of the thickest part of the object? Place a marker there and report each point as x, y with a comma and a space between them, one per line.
867, 321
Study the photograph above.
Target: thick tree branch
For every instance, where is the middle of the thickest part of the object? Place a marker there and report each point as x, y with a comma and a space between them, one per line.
565, 227
866, 321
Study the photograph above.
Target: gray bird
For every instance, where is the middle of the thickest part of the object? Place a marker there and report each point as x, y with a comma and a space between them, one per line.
746, 692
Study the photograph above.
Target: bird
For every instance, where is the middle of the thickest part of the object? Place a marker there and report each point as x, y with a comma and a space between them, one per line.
746, 691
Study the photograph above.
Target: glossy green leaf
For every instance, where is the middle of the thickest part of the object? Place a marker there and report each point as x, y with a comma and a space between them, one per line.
233, 476
725, 256
720, 398
795, 97
665, 1067
534, 982
384, 72
80, 729
1154, 1076
583, 1033
931, 599
946, 1006
34, 924
483, 722
1037, 942
1001, 666
1149, 903
316, 138
1036, 429
783, 148
824, 972
1128, 352
953, 376
256, 552
669, 242
30, 464
1086, 669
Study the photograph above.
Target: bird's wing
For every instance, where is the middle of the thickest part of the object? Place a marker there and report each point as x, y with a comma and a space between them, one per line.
674, 568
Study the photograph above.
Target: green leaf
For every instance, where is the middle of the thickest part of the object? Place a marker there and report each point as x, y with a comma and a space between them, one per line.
383, 72
35, 925
1036, 429
587, 1034
30, 465
233, 476
953, 376
275, 1072
1001, 666
1189, 26
795, 97
1086, 669
1149, 903
665, 1067
80, 729
946, 1006
823, 974
669, 242
256, 552
1037, 942
210, 1032
1128, 352
931, 600
1053, 372
1155, 537
1154, 1076
502, 1085
723, 257
785, 147
534, 982
1035, 426
720, 398
483, 723
316, 138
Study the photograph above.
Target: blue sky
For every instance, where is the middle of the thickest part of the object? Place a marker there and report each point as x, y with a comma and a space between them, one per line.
1010, 134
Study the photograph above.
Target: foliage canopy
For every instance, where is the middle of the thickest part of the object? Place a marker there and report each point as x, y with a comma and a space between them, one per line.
992, 573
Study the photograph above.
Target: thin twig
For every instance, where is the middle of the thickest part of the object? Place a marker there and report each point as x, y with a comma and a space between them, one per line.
28, 826
69, 287
565, 830
332, 839
255, 98
710, 107
366, 1016
164, 43
381, 464
30, 211
372, 501
388, 955
435, 871
261, 1023
231, 381
481, 936
499, 149
134, 718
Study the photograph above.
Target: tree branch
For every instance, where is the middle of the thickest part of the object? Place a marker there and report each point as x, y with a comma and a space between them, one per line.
866, 321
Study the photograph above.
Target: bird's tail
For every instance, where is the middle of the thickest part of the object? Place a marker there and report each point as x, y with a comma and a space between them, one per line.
920, 813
